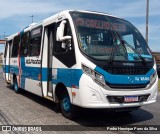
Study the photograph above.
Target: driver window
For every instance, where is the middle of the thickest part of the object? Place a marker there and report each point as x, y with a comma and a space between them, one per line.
66, 54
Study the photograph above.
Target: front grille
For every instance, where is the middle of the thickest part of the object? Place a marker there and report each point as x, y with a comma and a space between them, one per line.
120, 99
127, 70
126, 86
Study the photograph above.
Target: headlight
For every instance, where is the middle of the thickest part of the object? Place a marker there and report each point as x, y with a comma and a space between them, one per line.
154, 75
155, 65
97, 77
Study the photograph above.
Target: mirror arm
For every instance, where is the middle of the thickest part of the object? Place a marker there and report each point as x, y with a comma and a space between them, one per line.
65, 38
60, 32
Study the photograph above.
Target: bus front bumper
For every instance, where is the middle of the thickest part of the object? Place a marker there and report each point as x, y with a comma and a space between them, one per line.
92, 95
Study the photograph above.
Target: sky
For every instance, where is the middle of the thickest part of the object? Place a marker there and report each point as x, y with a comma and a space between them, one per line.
16, 14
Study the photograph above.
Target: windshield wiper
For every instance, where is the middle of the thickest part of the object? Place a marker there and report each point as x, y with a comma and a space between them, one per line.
112, 54
140, 56
114, 34
122, 42
135, 51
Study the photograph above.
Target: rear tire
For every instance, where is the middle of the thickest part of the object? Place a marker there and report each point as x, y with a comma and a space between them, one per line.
8, 84
15, 86
68, 110
57, 107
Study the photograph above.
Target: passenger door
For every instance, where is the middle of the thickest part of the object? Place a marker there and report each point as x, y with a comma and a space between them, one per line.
63, 58
47, 60
7, 61
50, 59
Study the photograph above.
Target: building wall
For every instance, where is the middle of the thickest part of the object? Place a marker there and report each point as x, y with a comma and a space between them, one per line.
2, 41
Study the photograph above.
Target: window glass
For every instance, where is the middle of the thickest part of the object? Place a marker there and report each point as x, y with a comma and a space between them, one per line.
58, 44
64, 51
15, 46
24, 44
129, 39
107, 38
35, 42
5, 52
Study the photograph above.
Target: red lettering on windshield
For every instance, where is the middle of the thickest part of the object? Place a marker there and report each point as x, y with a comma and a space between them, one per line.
99, 24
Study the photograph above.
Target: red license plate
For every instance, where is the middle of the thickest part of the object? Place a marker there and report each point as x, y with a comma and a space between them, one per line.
130, 98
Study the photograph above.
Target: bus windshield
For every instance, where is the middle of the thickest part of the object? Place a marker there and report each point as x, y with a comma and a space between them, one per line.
103, 37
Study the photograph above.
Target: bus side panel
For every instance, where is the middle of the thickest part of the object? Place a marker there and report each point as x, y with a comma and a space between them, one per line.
3, 67
14, 70
27, 73
30, 80
4, 62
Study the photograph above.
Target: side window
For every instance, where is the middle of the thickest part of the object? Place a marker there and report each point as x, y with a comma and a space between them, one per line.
35, 42
10, 44
15, 46
64, 51
24, 44
6, 47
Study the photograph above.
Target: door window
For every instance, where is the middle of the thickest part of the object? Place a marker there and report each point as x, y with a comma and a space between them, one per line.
65, 55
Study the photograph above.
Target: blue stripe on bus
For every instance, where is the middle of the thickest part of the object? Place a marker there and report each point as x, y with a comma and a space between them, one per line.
27, 72
125, 79
23, 74
69, 77
6, 68
44, 74
14, 69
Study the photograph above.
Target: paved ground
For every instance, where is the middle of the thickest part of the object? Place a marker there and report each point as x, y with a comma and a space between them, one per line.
29, 109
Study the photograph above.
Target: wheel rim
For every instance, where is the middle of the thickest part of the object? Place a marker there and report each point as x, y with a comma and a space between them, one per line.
15, 86
66, 104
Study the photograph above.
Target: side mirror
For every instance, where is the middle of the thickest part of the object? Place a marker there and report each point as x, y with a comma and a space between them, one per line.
60, 32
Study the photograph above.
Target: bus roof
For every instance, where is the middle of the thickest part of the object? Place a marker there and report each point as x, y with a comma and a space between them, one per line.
34, 25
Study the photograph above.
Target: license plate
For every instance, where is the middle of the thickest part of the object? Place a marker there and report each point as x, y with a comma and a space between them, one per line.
130, 98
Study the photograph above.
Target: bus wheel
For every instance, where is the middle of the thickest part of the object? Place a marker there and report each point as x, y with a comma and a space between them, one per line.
15, 86
68, 110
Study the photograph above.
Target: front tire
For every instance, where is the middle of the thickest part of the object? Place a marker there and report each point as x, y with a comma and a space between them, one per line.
68, 110
15, 86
